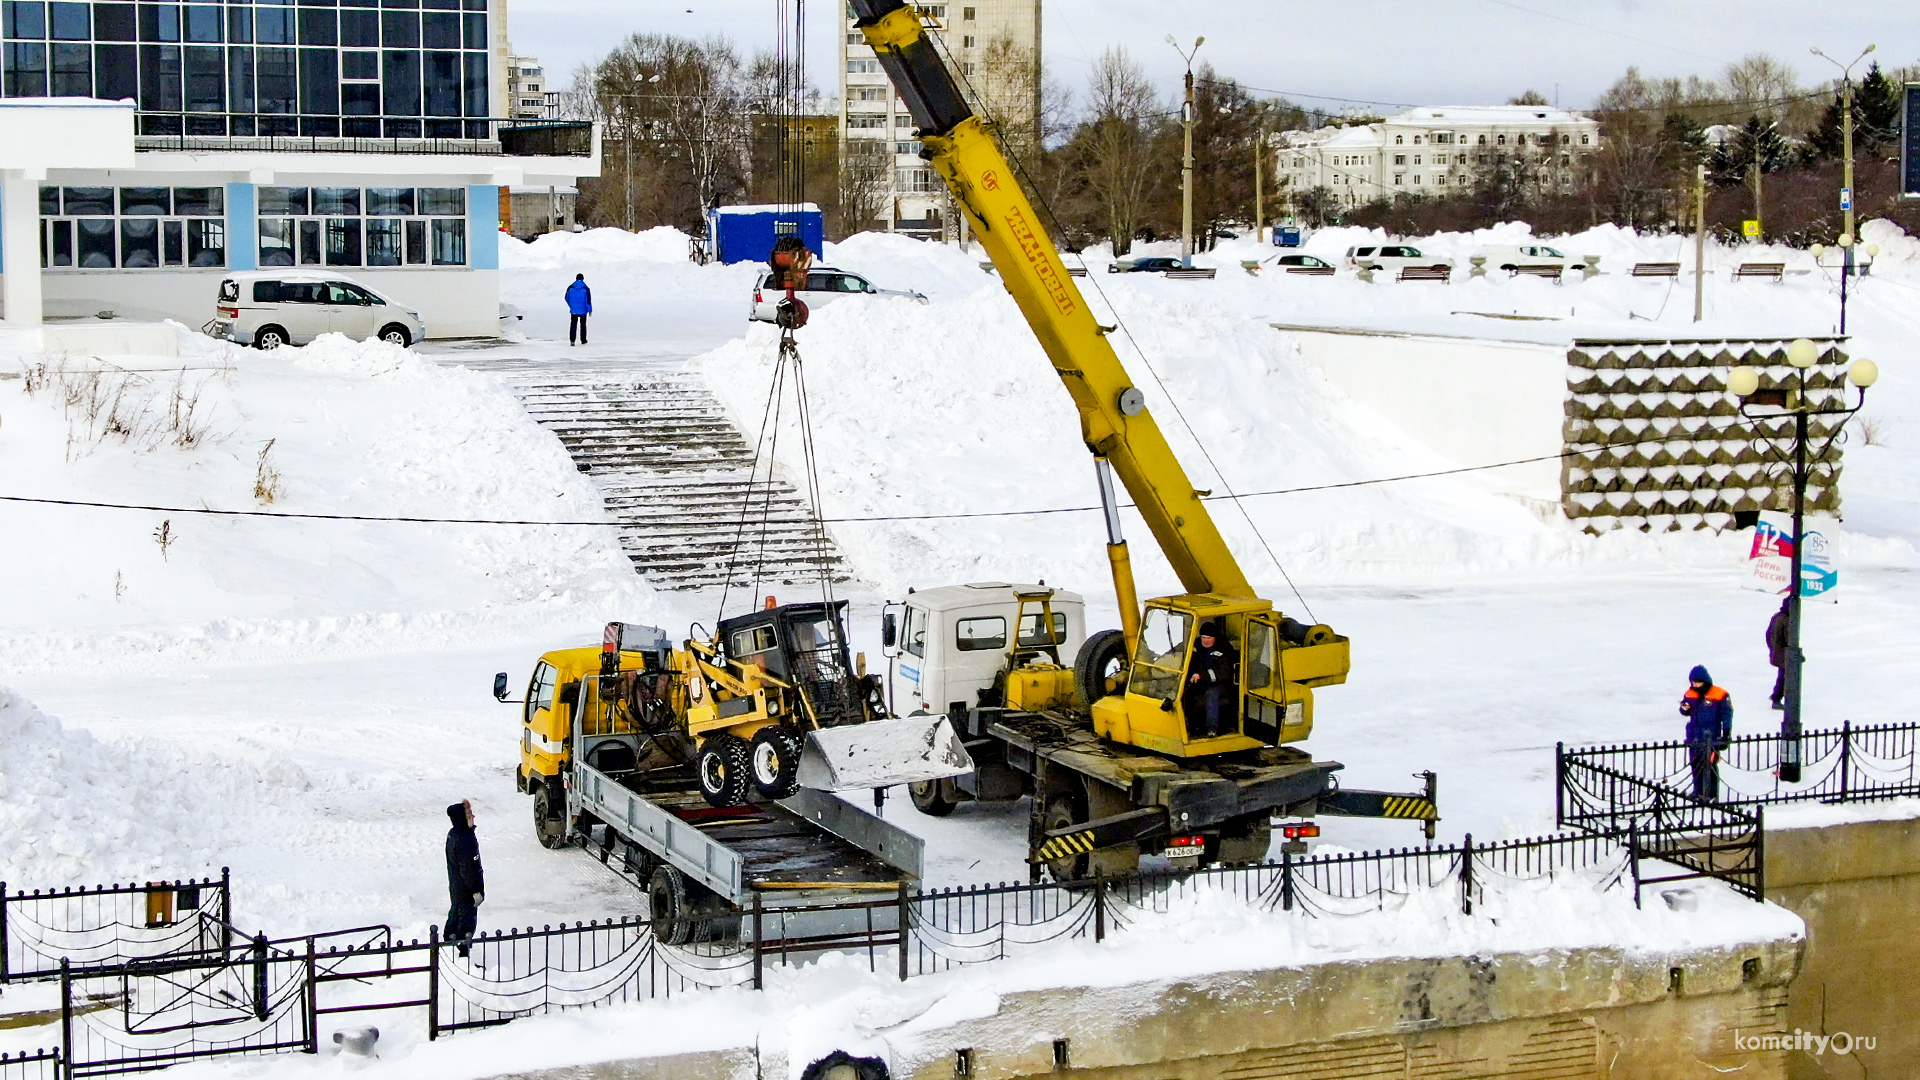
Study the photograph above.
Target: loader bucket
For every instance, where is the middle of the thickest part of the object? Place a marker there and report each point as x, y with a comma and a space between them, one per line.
882, 753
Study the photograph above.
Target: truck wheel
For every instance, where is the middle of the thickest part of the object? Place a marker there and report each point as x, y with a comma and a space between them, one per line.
549, 821
775, 759
669, 906
934, 798
1101, 667
723, 768
1062, 811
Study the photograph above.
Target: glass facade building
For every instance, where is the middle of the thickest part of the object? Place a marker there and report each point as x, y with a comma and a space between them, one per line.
394, 69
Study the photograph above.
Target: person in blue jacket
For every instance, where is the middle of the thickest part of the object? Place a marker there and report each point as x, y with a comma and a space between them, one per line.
579, 305
1709, 713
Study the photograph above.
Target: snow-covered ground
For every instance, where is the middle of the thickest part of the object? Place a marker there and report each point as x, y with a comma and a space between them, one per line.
300, 699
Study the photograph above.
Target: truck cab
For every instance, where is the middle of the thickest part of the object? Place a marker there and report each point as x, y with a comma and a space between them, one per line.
947, 648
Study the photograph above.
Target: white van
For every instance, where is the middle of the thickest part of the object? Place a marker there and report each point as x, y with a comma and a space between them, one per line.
1392, 258
268, 309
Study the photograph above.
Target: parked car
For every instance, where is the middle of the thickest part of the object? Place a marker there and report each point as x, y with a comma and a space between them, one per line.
1281, 262
1513, 256
1157, 264
824, 285
268, 309
1393, 257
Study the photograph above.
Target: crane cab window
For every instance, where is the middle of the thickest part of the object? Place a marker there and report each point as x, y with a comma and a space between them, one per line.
915, 640
1031, 635
1162, 654
540, 690
1259, 655
982, 633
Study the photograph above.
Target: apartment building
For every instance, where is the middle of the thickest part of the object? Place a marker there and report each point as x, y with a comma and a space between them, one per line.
1438, 151
994, 47
527, 94
146, 150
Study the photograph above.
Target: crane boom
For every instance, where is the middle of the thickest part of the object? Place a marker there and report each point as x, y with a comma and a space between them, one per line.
1114, 422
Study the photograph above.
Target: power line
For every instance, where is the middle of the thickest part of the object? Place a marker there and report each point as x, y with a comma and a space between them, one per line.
209, 512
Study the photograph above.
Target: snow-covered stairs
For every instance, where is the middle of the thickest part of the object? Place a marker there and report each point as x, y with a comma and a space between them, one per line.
675, 473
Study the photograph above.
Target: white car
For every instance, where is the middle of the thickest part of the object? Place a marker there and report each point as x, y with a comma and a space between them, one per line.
268, 309
1393, 257
824, 285
1511, 257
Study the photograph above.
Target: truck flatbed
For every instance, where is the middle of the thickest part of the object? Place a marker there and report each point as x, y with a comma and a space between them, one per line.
778, 846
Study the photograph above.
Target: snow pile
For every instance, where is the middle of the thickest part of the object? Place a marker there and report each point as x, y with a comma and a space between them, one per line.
76, 810
336, 428
892, 261
662, 244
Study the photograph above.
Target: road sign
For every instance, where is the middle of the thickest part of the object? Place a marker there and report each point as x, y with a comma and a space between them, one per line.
1846, 198
1910, 143
1750, 229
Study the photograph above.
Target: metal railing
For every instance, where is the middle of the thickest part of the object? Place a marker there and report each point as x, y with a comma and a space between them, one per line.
109, 925
201, 132
30, 1065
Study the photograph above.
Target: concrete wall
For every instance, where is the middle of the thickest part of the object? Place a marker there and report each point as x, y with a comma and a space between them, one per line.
1858, 887
1598, 1013
1441, 390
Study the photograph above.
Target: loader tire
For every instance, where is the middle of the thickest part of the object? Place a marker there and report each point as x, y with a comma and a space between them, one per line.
934, 798
775, 761
1100, 669
724, 770
549, 821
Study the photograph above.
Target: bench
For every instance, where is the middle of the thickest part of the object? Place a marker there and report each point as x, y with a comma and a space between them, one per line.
1760, 270
1311, 271
1666, 270
1196, 273
1076, 271
1425, 273
1551, 272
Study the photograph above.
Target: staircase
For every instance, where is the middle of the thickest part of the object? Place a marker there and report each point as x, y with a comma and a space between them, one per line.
675, 473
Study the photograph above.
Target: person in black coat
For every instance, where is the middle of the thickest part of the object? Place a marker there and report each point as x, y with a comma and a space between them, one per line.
466, 885
1777, 652
1212, 680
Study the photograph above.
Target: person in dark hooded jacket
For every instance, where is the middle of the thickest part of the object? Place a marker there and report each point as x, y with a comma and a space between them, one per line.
1709, 713
466, 885
1212, 680
1777, 651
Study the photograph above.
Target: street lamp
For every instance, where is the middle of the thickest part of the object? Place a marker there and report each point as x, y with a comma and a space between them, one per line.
1186, 162
1846, 169
1783, 401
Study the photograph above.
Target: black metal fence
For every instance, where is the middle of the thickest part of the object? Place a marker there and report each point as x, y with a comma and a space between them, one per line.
277, 132
30, 1065
110, 925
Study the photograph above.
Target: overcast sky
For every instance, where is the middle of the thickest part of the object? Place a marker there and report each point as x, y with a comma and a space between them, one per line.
1429, 52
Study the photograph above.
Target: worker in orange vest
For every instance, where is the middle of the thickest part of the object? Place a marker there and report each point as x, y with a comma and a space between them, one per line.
1709, 713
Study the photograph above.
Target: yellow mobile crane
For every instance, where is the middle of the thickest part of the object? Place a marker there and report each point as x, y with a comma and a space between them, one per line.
1096, 806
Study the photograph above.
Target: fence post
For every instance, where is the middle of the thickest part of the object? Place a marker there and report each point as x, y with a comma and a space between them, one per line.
1466, 876
1559, 785
1760, 853
1286, 880
433, 982
260, 1009
903, 919
1633, 858
758, 939
226, 911
1846, 763
1100, 908
313, 1005
66, 1013
3, 933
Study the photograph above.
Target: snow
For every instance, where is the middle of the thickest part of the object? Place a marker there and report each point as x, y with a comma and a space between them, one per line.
300, 699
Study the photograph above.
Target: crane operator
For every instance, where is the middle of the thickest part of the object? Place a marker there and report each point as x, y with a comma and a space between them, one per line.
1211, 681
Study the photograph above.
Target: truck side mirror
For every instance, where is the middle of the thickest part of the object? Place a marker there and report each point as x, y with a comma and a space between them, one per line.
889, 629
500, 686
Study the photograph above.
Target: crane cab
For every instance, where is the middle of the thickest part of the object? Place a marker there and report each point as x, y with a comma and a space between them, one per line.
1269, 702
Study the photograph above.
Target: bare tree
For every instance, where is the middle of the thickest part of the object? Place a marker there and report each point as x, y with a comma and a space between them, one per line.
1123, 115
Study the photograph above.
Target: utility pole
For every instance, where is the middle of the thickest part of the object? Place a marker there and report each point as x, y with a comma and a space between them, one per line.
1847, 239
1699, 239
1259, 163
1186, 161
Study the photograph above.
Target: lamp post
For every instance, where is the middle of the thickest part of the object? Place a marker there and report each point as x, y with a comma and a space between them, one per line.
1784, 401
1186, 161
1846, 171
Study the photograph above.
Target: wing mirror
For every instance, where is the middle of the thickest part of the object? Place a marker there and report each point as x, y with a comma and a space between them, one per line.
889, 629
500, 686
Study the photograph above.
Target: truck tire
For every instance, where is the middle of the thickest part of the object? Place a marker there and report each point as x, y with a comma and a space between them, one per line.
934, 798
683, 912
774, 758
1061, 811
1100, 668
724, 770
549, 820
